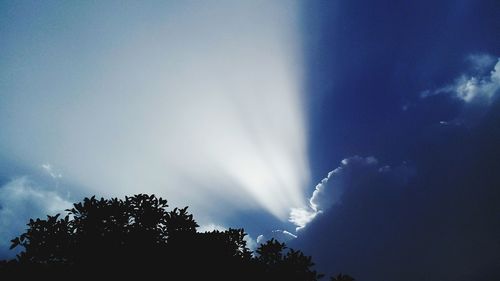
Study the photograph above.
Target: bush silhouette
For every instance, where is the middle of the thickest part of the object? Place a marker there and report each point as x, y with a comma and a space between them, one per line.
139, 237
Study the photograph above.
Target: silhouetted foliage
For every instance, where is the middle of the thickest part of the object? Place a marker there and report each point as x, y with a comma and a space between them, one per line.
342, 277
280, 265
139, 237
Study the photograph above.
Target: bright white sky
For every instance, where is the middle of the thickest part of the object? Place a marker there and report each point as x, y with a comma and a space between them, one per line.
198, 103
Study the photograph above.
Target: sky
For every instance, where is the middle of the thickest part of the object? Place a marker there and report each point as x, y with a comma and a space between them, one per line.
364, 133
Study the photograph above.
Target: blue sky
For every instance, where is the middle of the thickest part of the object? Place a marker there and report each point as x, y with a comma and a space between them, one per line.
367, 130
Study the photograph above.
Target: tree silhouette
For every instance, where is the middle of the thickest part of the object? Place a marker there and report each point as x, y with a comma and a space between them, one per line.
139, 237
280, 265
342, 277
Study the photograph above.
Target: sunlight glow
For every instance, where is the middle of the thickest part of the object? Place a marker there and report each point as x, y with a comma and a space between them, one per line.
201, 105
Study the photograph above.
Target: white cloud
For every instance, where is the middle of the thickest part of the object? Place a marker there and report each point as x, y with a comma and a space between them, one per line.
330, 190
281, 235
211, 227
251, 243
479, 88
20, 200
302, 216
50, 171
289, 234
261, 239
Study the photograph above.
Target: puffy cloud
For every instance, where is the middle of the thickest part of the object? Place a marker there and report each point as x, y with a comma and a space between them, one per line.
20, 200
479, 88
483, 89
251, 243
302, 216
330, 190
473, 93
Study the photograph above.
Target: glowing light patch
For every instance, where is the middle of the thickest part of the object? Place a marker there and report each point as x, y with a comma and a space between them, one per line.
200, 104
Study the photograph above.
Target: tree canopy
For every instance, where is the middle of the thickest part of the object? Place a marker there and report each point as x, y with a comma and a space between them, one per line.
138, 236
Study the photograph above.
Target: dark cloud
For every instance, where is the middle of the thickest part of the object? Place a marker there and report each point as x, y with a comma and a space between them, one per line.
352, 172
368, 63
440, 224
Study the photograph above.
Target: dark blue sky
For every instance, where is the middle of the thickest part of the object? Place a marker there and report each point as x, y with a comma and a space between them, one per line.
368, 60
369, 63
238, 109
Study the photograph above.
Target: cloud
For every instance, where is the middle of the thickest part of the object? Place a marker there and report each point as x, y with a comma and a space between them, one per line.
251, 243
50, 171
482, 62
392, 223
20, 200
329, 191
480, 88
302, 216
281, 235
211, 227
261, 239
